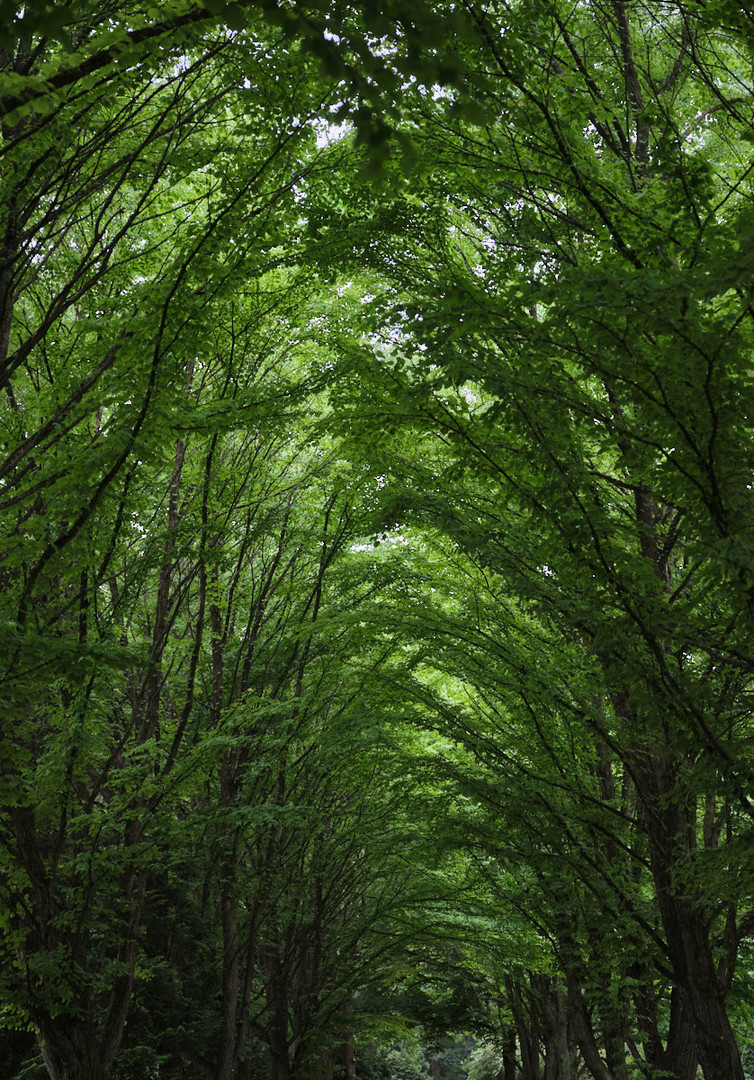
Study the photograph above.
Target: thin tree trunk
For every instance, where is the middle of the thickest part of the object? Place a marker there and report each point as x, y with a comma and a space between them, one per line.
509, 1053
528, 1042
347, 1045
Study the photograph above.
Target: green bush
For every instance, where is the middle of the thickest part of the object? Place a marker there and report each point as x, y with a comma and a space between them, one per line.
485, 1063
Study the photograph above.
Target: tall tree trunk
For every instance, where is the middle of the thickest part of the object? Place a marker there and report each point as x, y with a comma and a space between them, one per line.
671, 828
678, 1057
526, 1032
276, 1033
582, 1027
557, 1032
685, 922
695, 970
231, 984
68, 1052
509, 1053
347, 1046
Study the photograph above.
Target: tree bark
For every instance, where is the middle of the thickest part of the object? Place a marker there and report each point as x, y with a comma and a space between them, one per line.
694, 966
509, 1053
685, 922
559, 1043
528, 1041
347, 1045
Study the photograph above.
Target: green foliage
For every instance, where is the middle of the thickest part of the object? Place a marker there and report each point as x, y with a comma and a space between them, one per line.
375, 545
747, 1060
485, 1063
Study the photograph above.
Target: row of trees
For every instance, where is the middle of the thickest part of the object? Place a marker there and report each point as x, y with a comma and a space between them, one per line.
189, 866
567, 292
376, 534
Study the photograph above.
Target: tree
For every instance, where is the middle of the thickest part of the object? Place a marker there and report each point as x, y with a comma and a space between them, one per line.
117, 388
572, 321
540, 362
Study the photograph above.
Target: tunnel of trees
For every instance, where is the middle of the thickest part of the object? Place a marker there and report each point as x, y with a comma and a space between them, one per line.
376, 539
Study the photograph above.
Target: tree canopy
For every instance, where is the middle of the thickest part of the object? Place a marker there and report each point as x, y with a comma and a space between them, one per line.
376, 403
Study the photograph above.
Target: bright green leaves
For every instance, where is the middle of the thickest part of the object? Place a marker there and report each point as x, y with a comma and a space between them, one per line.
351, 527
557, 384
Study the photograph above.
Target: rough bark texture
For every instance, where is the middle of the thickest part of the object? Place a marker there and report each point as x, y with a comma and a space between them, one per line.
557, 1031
693, 963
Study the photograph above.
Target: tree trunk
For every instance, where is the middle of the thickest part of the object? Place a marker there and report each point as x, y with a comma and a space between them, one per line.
560, 1047
277, 1027
679, 1057
69, 1054
716, 1046
226, 1058
582, 1028
528, 1040
615, 1048
509, 1053
690, 950
347, 1046
671, 828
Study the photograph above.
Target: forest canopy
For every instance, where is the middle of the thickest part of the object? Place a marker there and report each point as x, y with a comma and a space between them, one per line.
376, 540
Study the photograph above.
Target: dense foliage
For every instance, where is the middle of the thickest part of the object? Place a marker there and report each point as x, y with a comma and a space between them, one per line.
376, 540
